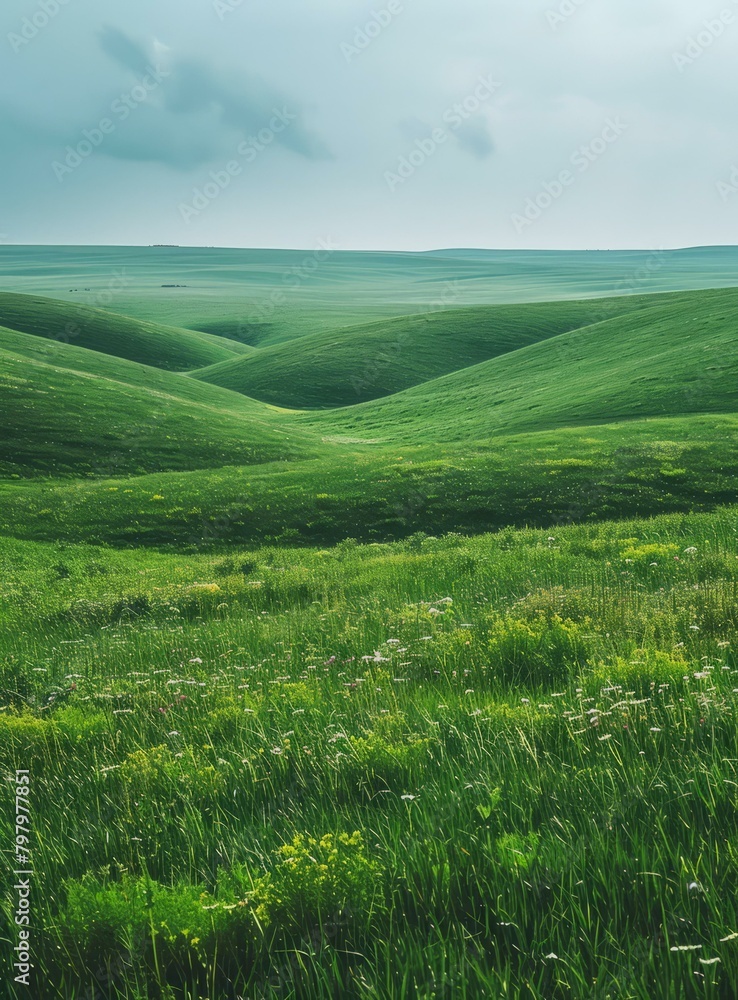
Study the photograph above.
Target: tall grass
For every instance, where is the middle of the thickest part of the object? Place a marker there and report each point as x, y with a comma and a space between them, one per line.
490, 767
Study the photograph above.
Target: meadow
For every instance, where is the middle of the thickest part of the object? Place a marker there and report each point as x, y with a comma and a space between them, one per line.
392, 657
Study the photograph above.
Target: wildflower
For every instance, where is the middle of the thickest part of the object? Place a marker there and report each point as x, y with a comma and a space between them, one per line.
692, 550
407, 798
329, 661
196, 659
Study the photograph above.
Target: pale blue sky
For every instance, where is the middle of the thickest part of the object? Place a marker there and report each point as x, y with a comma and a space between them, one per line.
397, 124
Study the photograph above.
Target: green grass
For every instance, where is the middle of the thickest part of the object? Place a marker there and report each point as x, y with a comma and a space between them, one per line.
504, 749
423, 698
677, 356
619, 470
67, 411
119, 336
345, 367
266, 296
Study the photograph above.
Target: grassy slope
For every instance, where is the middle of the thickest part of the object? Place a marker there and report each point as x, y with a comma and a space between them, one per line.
340, 368
268, 295
540, 761
66, 410
533, 732
652, 362
671, 358
136, 340
79, 359
638, 468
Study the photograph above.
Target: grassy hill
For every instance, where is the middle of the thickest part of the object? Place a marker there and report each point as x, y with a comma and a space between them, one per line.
491, 753
70, 411
344, 367
98, 330
637, 468
676, 356
268, 296
460, 452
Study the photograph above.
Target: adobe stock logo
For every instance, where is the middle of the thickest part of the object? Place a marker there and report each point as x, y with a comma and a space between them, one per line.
728, 189
365, 34
32, 26
225, 7
563, 13
121, 108
582, 158
454, 117
698, 44
248, 150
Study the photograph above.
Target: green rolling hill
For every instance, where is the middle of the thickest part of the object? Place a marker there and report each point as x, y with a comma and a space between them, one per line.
399, 659
69, 411
636, 468
565, 414
98, 330
677, 356
353, 365
268, 296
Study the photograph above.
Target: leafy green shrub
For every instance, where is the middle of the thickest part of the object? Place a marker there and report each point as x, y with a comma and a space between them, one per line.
416, 542
314, 880
170, 930
653, 558
157, 772
536, 653
81, 726
105, 920
517, 852
26, 740
374, 762
645, 670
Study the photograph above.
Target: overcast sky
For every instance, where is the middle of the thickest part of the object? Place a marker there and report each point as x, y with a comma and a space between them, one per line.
397, 124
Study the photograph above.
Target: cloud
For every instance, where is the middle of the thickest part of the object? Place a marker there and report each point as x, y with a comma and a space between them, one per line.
475, 137
124, 50
196, 115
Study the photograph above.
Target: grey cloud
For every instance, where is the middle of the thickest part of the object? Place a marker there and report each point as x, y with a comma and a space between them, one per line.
475, 137
656, 186
196, 115
124, 50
